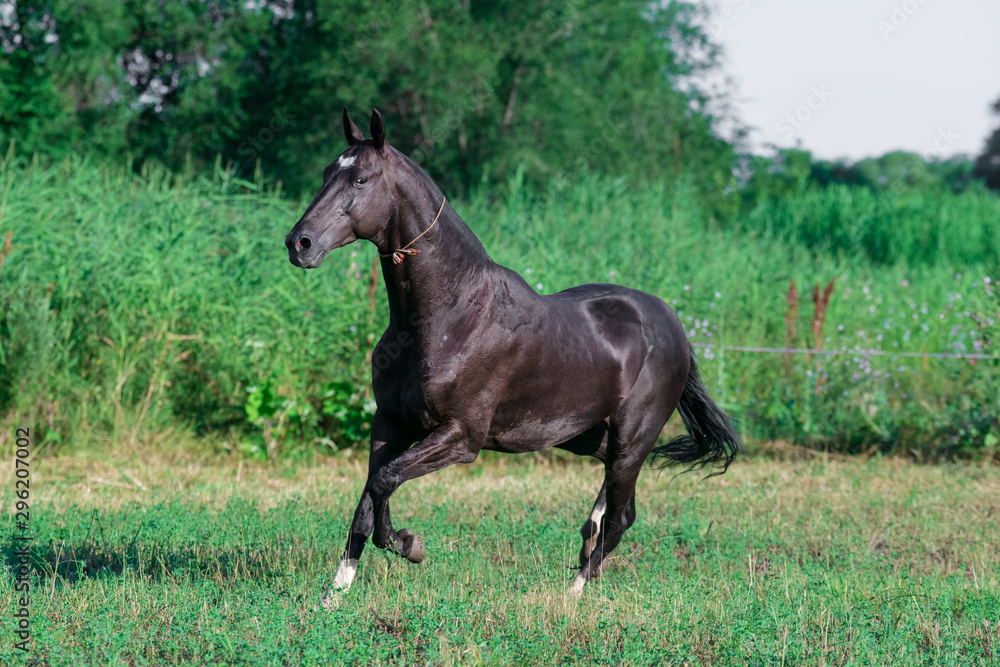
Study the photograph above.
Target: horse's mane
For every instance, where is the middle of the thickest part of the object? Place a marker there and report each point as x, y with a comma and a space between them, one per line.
424, 177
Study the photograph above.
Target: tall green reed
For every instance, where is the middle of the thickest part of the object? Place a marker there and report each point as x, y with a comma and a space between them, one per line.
138, 301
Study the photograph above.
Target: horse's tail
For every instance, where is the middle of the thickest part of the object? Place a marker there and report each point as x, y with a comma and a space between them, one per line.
711, 439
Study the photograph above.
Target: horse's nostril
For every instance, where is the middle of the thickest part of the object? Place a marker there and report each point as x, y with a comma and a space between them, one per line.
305, 243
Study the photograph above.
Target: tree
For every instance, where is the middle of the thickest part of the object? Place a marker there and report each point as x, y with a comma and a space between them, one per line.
31, 108
472, 89
987, 165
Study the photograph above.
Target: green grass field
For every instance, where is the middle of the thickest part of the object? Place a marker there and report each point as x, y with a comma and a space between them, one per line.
175, 559
143, 311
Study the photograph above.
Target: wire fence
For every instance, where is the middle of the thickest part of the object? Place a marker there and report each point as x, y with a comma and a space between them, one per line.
855, 352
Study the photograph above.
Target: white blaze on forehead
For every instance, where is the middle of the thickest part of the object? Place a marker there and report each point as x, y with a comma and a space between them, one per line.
343, 162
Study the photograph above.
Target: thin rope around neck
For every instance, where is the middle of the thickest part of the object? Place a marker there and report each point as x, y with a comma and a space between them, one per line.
399, 254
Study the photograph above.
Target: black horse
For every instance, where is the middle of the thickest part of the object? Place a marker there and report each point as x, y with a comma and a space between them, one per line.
475, 359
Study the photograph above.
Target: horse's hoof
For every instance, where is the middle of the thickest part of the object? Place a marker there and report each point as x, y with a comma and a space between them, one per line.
413, 546
331, 599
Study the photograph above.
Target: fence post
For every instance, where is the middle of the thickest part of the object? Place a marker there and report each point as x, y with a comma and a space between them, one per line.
820, 303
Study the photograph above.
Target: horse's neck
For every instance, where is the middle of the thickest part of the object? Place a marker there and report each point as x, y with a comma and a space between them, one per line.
451, 261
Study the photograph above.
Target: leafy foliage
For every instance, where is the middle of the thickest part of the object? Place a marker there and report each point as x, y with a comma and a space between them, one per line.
130, 304
988, 163
471, 90
571, 133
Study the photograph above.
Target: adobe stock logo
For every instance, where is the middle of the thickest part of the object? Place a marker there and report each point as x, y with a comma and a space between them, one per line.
900, 16
943, 144
793, 121
254, 143
726, 17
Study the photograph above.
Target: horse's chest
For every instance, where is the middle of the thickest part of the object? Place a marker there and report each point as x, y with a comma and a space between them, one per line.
403, 391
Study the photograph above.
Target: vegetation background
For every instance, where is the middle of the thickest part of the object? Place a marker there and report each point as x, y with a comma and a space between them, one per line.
177, 373
157, 152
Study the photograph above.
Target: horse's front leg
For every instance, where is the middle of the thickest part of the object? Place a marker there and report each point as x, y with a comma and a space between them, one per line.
386, 443
448, 444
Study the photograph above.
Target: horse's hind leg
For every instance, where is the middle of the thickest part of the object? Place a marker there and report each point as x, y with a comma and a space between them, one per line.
592, 527
633, 431
619, 515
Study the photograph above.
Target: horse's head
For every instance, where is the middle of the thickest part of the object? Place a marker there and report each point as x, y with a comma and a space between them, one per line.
356, 200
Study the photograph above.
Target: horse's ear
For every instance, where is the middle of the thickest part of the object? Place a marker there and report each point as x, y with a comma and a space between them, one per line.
377, 129
351, 131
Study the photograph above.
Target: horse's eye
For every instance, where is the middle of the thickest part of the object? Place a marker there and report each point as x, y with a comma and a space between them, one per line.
360, 181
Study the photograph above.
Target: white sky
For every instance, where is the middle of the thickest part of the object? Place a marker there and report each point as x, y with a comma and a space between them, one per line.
897, 74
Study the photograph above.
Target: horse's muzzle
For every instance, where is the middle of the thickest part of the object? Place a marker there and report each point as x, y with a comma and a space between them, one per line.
302, 252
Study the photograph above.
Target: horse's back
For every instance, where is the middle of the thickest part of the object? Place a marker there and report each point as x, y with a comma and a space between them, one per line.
620, 311
639, 330
579, 362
